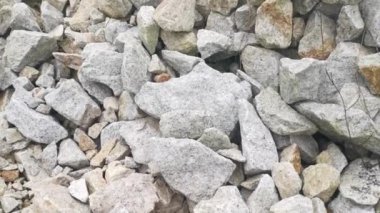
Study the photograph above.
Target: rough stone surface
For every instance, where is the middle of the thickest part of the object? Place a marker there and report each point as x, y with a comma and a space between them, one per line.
370, 69
211, 43
115, 8
334, 157
184, 42
78, 190
71, 155
148, 28
180, 62
318, 205
344, 205
286, 179
215, 139
23, 18
51, 16
128, 110
296, 204
292, 155
350, 23
370, 9
304, 6
224, 7
264, 195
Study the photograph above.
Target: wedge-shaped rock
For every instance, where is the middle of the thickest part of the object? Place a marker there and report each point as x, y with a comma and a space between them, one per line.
370, 9
148, 28
350, 23
257, 143
370, 69
33, 125
296, 204
286, 179
186, 165
100, 74
211, 43
203, 89
71, 101
135, 193
23, 18
180, 62
71, 155
26, 48
264, 195
280, 117
226, 199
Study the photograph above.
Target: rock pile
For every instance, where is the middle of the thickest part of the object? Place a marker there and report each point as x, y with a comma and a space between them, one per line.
179, 106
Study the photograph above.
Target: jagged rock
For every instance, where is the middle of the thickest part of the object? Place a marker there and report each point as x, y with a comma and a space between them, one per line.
49, 157
370, 69
115, 8
180, 62
308, 147
370, 10
221, 24
9, 203
184, 42
316, 43
6, 18
344, 205
350, 23
292, 155
233, 154
211, 43
274, 23
99, 158
215, 139
25, 48
245, 17
320, 180
71, 101
33, 171
84, 141
23, 18
281, 118
333, 156
341, 1
286, 179
59, 4
128, 110
174, 160
359, 182
51, 17
156, 65
95, 180
172, 15
263, 196
33, 125
296, 204
148, 28
257, 143
262, 65
140, 3
318, 205
224, 7
304, 6
81, 18
78, 190
71, 155
298, 30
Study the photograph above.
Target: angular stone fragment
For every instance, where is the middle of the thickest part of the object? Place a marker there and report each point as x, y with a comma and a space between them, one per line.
350, 23
32, 169
172, 15
304, 6
71, 101
211, 43
115, 8
23, 18
148, 28
274, 23
221, 24
224, 7
25, 48
81, 18
180, 62
344, 205
319, 37
286, 179
215, 139
71, 155
49, 157
9, 203
51, 17
333, 156
281, 118
33, 125
128, 110
95, 180
318, 206
175, 160
292, 155
257, 143
370, 9
6, 18
298, 30
99, 158
73, 61
184, 42
296, 204
78, 190
84, 141
245, 17
233, 154
370, 69
263, 196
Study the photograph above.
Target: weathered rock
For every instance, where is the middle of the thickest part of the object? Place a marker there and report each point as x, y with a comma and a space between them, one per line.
6, 18
140, 3
49, 157
221, 24
318, 205
156, 65
95, 130
23, 18
233, 154
71, 155
263, 196
81, 18
298, 30
359, 182
32, 170
73, 61
33, 125
245, 17
224, 7
308, 147
262, 65
211, 43
274, 23
148, 28
344, 205
286, 179
128, 110
174, 160
292, 155
84, 141
281, 118
215, 139
304, 6
257, 143
333, 156
370, 69
59, 4
370, 9
184, 42
115, 170
172, 15
78, 190
320, 180
296, 204
180, 62
9, 203
319, 37
25, 48
115, 8
95, 180
350, 23
51, 17
99, 158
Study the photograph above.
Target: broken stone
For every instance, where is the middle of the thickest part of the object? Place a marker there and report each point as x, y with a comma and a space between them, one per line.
156, 65
215, 139
318, 205
94, 180
184, 42
370, 69
98, 159
350, 23
84, 141
49, 157
298, 30
9, 203
304, 6
333, 156
233, 154
32, 170
148, 29
297, 203
292, 155
9, 175
370, 9
211, 43
116, 8
78, 190
51, 17
23, 18
286, 179
71, 155
221, 24
128, 110
341, 204
81, 18
180, 62
73, 61
95, 130
245, 17
263, 196
115, 170
6, 19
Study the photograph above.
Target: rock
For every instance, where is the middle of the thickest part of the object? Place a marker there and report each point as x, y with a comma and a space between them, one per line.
94, 69
263, 196
233, 154
71, 155
314, 43
296, 204
359, 182
203, 89
6, 19
65, 100
318, 205
73, 61
78, 190
304, 6
148, 28
134, 70
25, 48
172, 15
350, 23
9, 204
128, 110
370, 69
245, 17
135, 193
292, 155
115, 8
344, 205
181, 173
286, 179
308, 147
281, 118
156, 65
370, 9
111, 104
211, 43
32, 169
95, 129
333, 156
49, 157
140, 3
84, 141
221, 24
81, 18
33, 125
226, 198
274, 23
180, 62
215, 139
94, 180
51, 17
59, 4
23, 18
162, 77
9, 175
224, 7
184, 42
320, 180
262, 65
98, 159
258, 146
298, 30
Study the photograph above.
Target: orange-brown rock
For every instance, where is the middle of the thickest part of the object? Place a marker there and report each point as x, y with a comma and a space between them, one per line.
9, 176
292, 154
162, 77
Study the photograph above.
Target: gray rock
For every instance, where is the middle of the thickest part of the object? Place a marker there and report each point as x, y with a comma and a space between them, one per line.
59, 4
344, 205
51, 17
128, 110
124, 37
100, 74
221, 24
318, 205
45, 81
352, 2
233, 154
115, 8
156, 65
210, 43
350, 23
6, 19
359, 182
263, 196
255, 85
223, 7
333, 156
215, 139
279, 117
25, 48
295, 204
184, 42
172, 15
369, 68
140, 3
71, 101
226, 198
274, 23
113, 28
78, 190
298, 30
257, 143
32, 169
71, 155
134, 70
245, 17
304, 6
49, 157
180, 161
371, 13
33, 125
286, 179
6, 77
148, 28
262, 65
180, 62
203, 89
9, 203
23, 18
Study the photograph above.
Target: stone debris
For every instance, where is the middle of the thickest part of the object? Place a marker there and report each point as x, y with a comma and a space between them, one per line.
286, 179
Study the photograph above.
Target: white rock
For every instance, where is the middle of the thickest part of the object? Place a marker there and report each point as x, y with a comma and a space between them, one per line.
180, 62
223, 7
115, 8
370, 10
23, 18
70, 155
128, 110
344, 205
51, 16
78, 190
318, 206
350, 23
295, 204
333, 156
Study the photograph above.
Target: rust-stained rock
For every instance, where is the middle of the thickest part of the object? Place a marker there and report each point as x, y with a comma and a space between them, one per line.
370, 69
73, 61
9, 176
